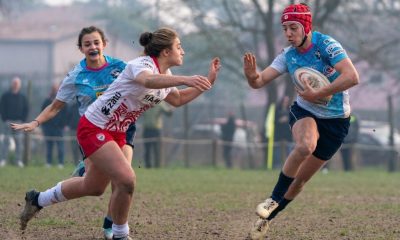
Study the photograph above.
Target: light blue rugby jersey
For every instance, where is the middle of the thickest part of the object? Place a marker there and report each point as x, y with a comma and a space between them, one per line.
324, 53
85, 85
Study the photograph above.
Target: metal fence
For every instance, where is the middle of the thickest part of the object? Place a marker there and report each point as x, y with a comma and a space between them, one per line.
208, 153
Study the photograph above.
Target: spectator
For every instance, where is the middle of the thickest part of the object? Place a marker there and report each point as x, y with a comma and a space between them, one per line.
13, 108
227, 132
152, 128
53, 130
348, 149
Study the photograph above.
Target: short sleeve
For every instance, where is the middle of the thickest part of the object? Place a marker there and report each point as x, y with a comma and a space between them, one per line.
279, 63
140, 65
67, 92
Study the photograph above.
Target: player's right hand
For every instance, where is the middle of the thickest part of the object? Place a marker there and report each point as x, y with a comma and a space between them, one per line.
201, 83
27, 127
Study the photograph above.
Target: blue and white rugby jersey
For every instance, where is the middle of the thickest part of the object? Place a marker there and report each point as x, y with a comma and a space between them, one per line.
86, 84
324, 53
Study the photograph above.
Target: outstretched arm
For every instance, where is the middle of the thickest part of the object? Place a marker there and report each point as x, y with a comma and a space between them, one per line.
48, 113
180, 97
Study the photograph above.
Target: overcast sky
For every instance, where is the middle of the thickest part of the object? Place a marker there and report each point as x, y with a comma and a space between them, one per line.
60, 2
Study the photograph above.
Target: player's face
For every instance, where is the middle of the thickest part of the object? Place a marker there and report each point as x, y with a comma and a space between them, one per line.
92, 46
293, 32
176, 53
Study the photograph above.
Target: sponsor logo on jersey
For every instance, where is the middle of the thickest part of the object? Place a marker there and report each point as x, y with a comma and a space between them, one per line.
100, 137
332, 47
98, 94
317, 54
111, 103
149, 98
328, 40
335, 53
147, 63
115, 72
329, 71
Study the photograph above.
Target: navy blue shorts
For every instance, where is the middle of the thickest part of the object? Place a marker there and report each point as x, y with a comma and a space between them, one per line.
331, 131
130, 134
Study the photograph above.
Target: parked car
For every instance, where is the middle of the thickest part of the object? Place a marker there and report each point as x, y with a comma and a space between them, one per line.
373, 142
246, 131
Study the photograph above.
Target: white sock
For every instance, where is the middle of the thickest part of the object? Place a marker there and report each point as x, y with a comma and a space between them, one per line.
51, 196
120, 231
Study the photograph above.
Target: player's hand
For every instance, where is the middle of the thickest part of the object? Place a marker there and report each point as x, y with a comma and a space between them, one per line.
27, 127
215, 66
201, 83
249, 67
308, 93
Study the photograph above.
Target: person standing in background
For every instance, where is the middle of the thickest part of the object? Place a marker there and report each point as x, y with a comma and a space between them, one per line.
53, 130
152, 129
13, 108
227, 133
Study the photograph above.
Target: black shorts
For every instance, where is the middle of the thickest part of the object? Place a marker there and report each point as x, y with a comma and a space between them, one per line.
331, 131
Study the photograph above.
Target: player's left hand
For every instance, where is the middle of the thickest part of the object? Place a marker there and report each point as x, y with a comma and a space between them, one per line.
308, 93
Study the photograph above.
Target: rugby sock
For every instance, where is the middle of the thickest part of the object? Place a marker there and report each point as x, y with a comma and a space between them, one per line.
107, 222
282, 204
51, 196
36, 201
281, 187
120, 231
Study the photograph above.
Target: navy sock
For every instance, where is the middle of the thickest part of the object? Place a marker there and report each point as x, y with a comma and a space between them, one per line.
281, 187
36, 201
282, 204
107, 222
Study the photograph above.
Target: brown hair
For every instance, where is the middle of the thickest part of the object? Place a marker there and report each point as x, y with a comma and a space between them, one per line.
89, 30
157, 41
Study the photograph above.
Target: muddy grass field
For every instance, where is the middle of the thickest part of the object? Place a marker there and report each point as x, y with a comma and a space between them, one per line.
212, 204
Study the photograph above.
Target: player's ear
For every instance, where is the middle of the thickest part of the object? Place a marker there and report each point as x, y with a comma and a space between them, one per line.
165, 52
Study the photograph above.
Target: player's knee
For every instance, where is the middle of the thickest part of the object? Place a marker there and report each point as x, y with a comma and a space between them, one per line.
305, 149
127, 183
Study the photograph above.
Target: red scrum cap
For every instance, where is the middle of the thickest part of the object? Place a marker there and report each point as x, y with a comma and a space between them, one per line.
299, 13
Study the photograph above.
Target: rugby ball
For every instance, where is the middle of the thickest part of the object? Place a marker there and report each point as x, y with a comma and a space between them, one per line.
314, 78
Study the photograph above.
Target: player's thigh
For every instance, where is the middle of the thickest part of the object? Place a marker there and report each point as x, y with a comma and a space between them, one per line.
305, 132
95, 179
110, 160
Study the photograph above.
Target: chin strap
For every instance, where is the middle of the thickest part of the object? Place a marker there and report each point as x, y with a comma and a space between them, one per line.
304, 40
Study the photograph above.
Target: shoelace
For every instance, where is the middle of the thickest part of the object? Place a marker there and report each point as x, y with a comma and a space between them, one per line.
270, 205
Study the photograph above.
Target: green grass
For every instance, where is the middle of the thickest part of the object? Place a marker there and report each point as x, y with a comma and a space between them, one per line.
215, 204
